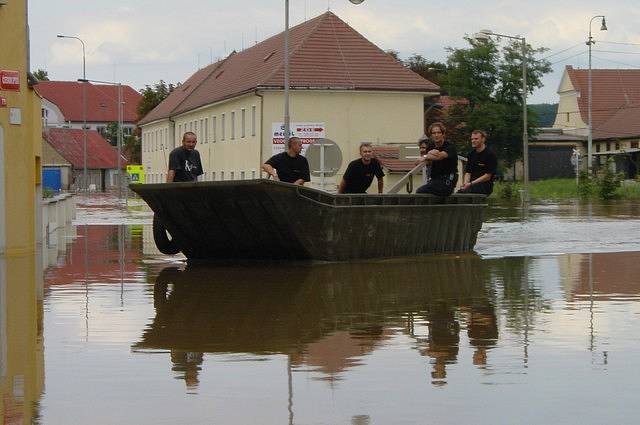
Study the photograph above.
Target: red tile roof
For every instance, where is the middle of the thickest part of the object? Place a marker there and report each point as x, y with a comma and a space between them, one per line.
69, 143
102, 100
325, 53
615, 106
389, 158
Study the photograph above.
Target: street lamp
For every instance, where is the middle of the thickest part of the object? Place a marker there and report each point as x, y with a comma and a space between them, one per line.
590, 42
287, 118
84, 110
485, 35
119, 132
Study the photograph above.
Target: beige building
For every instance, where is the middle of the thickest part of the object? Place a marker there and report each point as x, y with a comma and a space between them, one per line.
343, 88
615, 119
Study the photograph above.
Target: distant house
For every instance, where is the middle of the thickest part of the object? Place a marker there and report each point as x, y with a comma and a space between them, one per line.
63, 148
62, 105
615, 121
342, 87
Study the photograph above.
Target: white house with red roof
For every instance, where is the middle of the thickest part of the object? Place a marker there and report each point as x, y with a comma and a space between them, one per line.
63, 105
342, 87
615, 125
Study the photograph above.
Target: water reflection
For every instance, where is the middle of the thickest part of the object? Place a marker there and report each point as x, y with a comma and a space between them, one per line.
21, 348
326, 318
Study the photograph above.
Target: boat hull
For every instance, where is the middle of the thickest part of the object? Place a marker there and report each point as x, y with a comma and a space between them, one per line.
263, 219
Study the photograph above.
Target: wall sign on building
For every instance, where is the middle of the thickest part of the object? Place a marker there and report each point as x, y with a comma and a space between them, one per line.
136, 173
9, 80
3, 102
308, 132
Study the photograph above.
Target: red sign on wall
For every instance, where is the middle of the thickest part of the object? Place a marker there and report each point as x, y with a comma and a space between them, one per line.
9, 80
3, 102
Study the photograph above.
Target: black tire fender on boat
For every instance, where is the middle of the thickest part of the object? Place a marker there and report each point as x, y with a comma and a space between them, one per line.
161, 238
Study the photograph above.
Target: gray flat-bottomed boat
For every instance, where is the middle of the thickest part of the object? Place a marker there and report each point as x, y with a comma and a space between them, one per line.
265, 219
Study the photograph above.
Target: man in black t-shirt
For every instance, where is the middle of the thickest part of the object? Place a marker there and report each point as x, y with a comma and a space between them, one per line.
481, 166
360, 172
184, 161
289, 166
443, 158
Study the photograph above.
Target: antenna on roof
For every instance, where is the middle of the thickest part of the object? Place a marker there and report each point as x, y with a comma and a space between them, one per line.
210, 55
256, 28
328, 5
242, 41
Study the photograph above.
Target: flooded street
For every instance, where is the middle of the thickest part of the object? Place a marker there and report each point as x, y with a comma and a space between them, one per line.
539, 325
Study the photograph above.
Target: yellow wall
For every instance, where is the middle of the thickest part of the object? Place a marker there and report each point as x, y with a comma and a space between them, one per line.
22, 143
21, 353
349, 117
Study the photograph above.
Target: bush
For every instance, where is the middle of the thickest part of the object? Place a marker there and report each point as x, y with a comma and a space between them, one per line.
585, 185
507, 191
609, 182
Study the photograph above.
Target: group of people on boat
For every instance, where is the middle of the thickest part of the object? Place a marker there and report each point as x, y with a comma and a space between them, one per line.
440, 171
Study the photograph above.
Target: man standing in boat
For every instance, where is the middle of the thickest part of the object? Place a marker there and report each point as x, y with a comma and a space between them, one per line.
184, 161
289, 166
481, 166
443, 158
360, 172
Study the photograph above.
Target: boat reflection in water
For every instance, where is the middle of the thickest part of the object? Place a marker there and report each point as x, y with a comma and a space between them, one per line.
325, 317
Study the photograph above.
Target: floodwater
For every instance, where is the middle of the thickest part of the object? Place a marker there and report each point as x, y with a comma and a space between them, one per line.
539, 326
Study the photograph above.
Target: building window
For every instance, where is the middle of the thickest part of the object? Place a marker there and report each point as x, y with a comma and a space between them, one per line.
242, 173
231, 175
214, 125
567, 116
243, 122
179, 135
221, 175
253, 120
213, 176
634, 145
206, 130
233, 126
222, 130
191, 126
617, 146
597, 147
253, 174
608, 146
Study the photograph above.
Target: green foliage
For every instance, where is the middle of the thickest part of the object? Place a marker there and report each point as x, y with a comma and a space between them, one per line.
41, 74
491, 80
609, 182
545, 113
585, 185
47, 192
132, 149
152, 96
507, 191
433, 71
111, 133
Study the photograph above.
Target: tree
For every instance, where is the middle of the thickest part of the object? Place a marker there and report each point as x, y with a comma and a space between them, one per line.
132, 148
152, 96
41, 74
431, 70
491, 80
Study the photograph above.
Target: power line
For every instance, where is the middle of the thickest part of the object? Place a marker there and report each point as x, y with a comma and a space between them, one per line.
619, 63
568, 57
614, 51
619, 42
561, 51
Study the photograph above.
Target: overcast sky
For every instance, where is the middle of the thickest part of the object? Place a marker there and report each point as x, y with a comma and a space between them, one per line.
140, 42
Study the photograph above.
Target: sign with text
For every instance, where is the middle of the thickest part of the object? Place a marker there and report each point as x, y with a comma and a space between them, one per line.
308, 132
9, 80
3, 102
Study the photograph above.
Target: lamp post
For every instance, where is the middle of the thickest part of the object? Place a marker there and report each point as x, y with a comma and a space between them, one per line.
590, 42
119, 131
287, 118
84, 111
485, 35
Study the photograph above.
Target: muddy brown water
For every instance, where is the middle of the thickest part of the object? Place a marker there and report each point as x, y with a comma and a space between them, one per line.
539, 325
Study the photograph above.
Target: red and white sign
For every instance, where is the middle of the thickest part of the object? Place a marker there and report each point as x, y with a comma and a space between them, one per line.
9, 80
308, 132
3, 102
